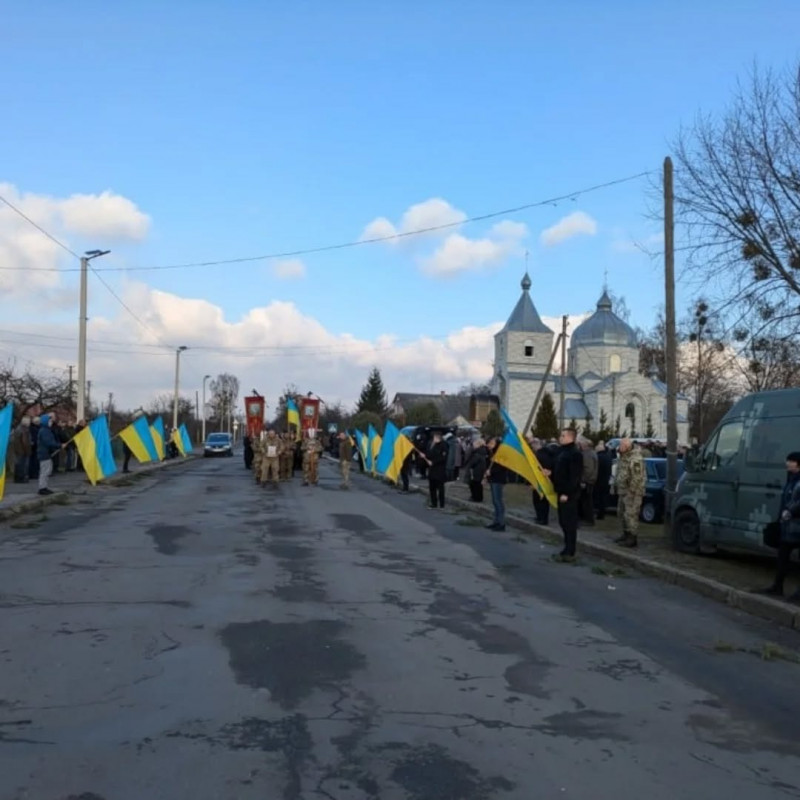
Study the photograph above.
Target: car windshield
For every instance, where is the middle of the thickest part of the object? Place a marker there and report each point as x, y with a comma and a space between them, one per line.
219, 438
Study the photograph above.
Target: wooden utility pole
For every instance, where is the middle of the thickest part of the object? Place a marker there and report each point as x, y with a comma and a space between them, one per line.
670, 344
563, 371
527, 429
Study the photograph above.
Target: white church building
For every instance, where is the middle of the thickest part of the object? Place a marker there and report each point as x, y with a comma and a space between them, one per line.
602, 371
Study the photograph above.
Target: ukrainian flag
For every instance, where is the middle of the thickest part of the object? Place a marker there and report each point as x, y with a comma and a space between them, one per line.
362, 446
372, 451
293, 415
5, 436
177, 439
94, 445
139, 439
188, 447
157, 431
395, 449
515, 454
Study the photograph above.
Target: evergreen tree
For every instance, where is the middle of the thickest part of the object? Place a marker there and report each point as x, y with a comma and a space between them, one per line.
424, 414
588, 432
493, 426
650, 431
363, 419
545, 425
604, 433
617, 425
573, 423
373, 395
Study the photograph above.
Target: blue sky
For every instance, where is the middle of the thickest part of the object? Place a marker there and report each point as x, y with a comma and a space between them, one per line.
255, 127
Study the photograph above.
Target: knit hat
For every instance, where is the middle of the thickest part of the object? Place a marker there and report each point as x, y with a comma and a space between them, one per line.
45, 419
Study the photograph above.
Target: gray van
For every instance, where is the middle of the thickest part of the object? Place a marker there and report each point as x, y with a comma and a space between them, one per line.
731, 487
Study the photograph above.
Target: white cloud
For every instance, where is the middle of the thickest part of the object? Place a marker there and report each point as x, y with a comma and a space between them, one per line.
431, 213
576, 224
460, 254
31, 261
289, 270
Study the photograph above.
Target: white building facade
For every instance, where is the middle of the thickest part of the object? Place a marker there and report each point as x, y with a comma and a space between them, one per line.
602, 372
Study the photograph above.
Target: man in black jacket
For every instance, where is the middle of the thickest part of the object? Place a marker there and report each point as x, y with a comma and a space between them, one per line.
567, 473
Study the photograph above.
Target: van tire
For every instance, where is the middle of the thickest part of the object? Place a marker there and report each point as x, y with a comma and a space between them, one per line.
649, 512
686, 531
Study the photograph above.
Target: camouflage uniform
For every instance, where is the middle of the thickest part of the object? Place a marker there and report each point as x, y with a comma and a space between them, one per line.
631, 478
311, 451
271, 449
286, 457
257, 458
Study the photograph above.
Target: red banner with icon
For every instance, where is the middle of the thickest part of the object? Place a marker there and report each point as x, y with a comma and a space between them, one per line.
309, 413
254, 408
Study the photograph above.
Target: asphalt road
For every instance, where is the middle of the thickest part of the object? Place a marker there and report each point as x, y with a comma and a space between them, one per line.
198, 638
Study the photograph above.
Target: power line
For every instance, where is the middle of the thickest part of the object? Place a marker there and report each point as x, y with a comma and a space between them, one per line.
40, 229
372, 240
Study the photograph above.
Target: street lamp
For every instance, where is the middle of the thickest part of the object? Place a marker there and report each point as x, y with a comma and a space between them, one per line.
80, 410
178, 352
205, 378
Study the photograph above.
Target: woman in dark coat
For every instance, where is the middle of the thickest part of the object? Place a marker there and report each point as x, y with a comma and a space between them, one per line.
437, 470
475, 468
789, 522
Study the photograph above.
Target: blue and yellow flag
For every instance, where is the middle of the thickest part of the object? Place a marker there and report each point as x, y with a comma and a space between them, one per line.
177, 440
5, 436
157, 431
293, 415
94, 445
139, 439
362, 446
514, 453
376, 448
188, 447
384, 457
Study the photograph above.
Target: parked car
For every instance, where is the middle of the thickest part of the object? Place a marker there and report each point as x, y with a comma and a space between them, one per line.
653, 502
218, 444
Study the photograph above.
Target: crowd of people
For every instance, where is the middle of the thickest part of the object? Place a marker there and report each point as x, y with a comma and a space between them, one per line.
41, 447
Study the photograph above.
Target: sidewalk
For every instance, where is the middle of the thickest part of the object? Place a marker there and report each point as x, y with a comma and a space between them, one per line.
726, 579
21, 498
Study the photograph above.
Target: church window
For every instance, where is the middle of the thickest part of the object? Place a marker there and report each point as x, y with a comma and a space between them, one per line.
528, 348
615, 363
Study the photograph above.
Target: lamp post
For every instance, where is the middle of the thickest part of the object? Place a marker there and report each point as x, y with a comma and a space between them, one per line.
80, 408
178, 352
205, 378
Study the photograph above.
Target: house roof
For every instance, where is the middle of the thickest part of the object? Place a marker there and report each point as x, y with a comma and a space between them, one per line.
450, 406
525, 318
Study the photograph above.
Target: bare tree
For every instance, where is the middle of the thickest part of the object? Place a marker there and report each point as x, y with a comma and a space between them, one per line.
27, 390
224, 396
738, 198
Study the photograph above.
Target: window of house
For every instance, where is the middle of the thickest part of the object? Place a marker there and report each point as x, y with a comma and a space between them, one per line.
528, 348
615, 363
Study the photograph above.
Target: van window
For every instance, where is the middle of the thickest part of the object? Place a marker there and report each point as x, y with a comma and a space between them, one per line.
770, 439
723, 449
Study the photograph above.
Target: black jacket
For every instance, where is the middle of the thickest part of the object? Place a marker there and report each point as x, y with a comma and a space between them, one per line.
438, 458
546, 458
477, 462
604, 462
568, 471
498, 473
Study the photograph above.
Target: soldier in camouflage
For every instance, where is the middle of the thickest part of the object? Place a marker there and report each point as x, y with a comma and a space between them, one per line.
311, 453
258, 455
287, 457
271, 449
631, 478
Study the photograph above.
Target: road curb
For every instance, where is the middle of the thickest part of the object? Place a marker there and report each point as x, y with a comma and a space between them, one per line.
758, 605
61, 498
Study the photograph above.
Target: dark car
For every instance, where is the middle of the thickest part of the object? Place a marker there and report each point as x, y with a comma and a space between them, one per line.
653, 500
218, 444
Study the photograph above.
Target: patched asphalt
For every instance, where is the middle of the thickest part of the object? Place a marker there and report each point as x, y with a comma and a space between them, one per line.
201, 638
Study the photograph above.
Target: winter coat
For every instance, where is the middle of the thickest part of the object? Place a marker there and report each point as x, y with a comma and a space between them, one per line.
437, 455
790, 501
567, 471
476, 465
47, 445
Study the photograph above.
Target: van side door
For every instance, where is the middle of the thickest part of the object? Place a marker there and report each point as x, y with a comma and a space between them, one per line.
720, 482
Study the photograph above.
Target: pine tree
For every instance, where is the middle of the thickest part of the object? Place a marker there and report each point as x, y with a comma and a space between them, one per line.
493, 425
587, 431
604, 433
373, 395
573, 423
650, 431
545, 426
617, 425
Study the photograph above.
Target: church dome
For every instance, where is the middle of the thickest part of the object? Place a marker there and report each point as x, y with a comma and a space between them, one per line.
604, 327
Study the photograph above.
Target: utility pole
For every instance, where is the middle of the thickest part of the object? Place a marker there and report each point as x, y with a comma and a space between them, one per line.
542, 386
196, 410
205, 378
109, 409
88, 397
71, 395
563, 370
670, 345
82, 320
178, 352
